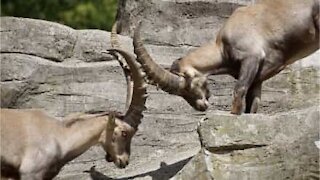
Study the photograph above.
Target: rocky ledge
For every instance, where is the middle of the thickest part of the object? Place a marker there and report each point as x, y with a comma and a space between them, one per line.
280, 146
50, 66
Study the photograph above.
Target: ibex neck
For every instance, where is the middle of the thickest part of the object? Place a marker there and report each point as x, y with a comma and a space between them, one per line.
203, 60
81, 135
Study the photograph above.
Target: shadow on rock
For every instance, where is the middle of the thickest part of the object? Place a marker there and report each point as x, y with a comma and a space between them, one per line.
164, 172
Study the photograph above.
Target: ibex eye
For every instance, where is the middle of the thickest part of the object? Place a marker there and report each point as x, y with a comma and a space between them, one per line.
124, 134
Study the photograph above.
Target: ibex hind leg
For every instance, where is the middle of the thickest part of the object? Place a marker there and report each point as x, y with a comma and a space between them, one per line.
253, 98
32, 176
248, 71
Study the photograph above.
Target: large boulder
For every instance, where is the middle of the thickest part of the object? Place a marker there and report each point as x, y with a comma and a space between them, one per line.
176, 23
281, 146
52, 41
29, 81
36, 37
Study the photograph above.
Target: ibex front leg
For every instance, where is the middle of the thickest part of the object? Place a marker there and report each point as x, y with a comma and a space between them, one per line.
248, 72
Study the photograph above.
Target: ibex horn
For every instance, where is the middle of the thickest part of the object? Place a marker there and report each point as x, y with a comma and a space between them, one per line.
134, 114
116, 44
111, 124
167, 81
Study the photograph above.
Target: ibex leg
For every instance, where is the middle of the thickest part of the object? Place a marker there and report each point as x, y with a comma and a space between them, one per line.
248, 72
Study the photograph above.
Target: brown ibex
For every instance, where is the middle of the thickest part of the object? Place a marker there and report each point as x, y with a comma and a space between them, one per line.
35, 145
254, 44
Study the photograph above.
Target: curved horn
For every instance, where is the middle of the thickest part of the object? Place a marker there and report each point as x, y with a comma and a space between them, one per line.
114, 38
167, 81
115, 44
134, 114
111, 124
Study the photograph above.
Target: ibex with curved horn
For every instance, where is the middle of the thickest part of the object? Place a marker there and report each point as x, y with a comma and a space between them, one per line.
35, 145
254, 44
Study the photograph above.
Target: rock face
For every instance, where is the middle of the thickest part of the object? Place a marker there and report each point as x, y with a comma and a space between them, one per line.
176, 23
43, 65
281, 146
62, 70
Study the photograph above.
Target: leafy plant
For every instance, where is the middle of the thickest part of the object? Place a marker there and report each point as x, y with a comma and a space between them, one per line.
79, 14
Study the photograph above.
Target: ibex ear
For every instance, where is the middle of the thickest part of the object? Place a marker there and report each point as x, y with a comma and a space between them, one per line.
111, 121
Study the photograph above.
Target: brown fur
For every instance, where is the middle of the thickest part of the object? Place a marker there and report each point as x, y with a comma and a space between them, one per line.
37, 145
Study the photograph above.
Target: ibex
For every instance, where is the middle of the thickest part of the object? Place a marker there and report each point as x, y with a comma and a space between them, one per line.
254, 44
35, 146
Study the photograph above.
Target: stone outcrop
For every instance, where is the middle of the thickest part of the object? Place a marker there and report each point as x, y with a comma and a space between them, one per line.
176, 22
281, 146
62, 70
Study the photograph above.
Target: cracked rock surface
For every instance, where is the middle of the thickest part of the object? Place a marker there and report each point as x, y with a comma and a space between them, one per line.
280, 146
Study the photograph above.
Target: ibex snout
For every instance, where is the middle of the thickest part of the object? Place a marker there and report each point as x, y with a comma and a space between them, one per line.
198, 104
201, 104
122, 161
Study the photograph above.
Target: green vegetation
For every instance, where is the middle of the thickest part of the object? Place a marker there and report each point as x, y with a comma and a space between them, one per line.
79, 14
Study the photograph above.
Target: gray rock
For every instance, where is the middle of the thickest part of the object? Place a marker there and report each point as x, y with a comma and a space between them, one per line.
176, 23
90, 44
60, 89
36, 37
196, 168
63, 70
260, 146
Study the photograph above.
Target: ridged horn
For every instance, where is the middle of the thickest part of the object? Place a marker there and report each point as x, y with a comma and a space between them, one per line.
114, 36
116, 44
134, 114
166, 80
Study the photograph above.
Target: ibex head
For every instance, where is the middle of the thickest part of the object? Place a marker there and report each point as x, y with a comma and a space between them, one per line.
192, 88
196, 92
118, 141
121, 128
